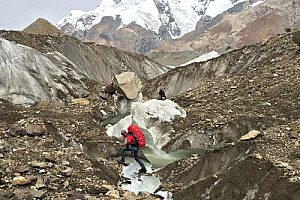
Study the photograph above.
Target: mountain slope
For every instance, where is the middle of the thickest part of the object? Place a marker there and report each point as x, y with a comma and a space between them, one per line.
236, 62
97, 62
28, 76
259, 90
234, 29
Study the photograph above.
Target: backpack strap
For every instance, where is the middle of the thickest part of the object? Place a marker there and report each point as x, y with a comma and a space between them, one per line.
135, 138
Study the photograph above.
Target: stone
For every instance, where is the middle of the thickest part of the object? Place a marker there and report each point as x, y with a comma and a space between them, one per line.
108, 187
130, 196
32, 177
40, 183
20, 180
66, 183
50, 157
250, 135
39, 194
39, 164
258, 156
81, 101
75, 195
128, 84
22, 194
22, 169
35, 129
16, 130
113, 194
293, 135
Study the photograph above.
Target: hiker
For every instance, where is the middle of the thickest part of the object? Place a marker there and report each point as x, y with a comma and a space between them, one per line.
132, 144
162, 95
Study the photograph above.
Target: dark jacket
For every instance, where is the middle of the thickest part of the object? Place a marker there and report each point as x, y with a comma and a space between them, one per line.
162, 94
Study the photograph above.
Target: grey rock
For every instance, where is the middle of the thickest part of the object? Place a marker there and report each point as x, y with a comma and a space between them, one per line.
16, 130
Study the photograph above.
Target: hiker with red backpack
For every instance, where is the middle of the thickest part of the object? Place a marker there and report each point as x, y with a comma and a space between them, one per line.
135, 140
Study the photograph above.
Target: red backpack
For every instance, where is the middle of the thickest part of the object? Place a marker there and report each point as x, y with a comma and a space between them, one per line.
138, 135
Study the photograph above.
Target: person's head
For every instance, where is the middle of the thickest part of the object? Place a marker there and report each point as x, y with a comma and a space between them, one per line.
123, 133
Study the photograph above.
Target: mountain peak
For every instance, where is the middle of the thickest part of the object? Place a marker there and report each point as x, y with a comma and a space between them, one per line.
173, 16
43, 27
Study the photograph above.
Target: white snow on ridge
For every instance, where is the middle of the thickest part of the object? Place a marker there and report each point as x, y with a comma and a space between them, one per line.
203, 57
143, 12
219, 6
146, 14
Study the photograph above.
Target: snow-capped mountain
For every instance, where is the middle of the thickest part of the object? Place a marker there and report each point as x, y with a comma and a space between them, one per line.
168, 18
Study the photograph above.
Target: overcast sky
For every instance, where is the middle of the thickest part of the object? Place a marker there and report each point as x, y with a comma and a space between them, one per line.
18, 14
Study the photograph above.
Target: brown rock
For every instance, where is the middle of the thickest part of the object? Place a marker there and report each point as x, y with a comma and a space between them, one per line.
35, 129
50, 157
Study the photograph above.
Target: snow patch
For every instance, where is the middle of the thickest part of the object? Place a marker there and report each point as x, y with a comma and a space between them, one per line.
203, 57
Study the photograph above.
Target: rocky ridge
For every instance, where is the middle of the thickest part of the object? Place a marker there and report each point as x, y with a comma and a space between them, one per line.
235, 62
265, 98
97, 62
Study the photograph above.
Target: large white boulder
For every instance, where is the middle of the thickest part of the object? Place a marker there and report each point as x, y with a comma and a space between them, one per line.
128, 84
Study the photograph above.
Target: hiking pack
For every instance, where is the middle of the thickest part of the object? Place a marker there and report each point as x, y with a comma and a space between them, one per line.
138, 135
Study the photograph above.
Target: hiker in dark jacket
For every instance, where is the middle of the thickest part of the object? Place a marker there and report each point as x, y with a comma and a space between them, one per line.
162, 95
131, 145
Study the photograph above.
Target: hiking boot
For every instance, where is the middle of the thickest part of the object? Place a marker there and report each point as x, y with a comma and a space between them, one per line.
142, 170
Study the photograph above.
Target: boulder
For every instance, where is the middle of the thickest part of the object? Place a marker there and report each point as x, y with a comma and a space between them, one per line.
16, 130
20, 180
35, 129
250, 135
128, 84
